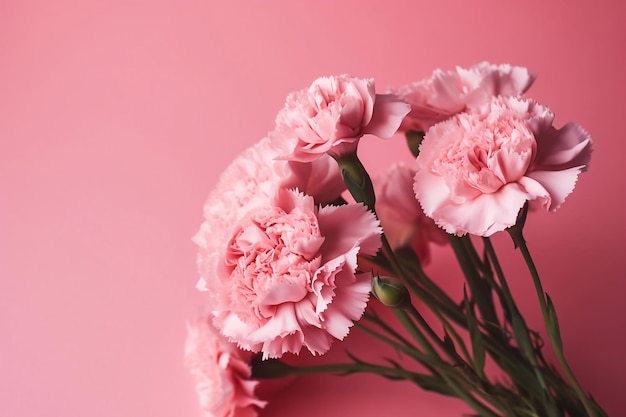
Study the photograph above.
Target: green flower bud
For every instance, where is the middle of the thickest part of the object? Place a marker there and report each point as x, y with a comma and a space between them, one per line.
390, 291
357, 180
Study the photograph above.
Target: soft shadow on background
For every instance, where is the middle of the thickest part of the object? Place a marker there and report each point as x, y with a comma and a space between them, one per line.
116, 119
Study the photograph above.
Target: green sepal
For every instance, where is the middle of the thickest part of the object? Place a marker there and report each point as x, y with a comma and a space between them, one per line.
357, 180
414, 139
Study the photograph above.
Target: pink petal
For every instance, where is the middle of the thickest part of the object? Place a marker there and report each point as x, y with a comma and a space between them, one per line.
306, 314
346, 227
320, 179
347, 307
221, 373
505, 80
448, 90
351, 300
558, 183
538, 196
567, 147
484, 215
280, 345
317, 341
389, 111
338, 324
233, 328
431, 190
284, 293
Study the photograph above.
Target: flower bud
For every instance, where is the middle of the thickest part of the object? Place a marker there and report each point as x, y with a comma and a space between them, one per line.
390, 291
357, 180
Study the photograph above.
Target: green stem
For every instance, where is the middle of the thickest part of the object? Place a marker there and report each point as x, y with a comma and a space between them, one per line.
479, 288
416, 333
498, 349
451, 353
409, 349
550, 322
344, 368
520, 328
441, 369
469, 399
506, 292
390, 330
275, 368
409, 260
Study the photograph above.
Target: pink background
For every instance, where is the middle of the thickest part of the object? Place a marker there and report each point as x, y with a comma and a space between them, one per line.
117, 118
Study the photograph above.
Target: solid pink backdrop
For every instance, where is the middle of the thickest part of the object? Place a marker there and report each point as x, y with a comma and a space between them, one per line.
116, 119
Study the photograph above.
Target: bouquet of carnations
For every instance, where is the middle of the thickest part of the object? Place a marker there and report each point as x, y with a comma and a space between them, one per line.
299, 244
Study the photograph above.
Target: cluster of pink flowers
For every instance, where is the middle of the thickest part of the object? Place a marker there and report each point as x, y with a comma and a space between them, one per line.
278, 262
279, 257
487, 151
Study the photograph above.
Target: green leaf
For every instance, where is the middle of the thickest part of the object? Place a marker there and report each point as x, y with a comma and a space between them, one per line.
448, 341
476, 337
520, 330
553, 324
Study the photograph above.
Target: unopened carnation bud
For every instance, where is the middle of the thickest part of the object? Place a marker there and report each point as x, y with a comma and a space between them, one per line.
390, 291
356, 179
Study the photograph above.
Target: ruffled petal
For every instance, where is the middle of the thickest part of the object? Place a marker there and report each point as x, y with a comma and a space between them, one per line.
346, 227
389, 111
559, 184
484, 215
431, 190
564, 148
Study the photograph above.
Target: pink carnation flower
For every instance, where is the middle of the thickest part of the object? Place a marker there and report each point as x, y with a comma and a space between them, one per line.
403, 220
334, 112
251, 180
476, 170
446, 93
288, 276
221, 372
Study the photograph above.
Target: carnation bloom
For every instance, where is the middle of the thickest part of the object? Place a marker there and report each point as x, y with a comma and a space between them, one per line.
288, 279
334, 112
403, 220
222, 373
251, 180
477, 169
446, 93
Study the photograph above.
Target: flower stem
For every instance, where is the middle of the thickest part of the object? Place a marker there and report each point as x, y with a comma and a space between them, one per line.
459, 369
520, 328
549, 317
407, 348
479, 287
416, 332
373, 318
275, 368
